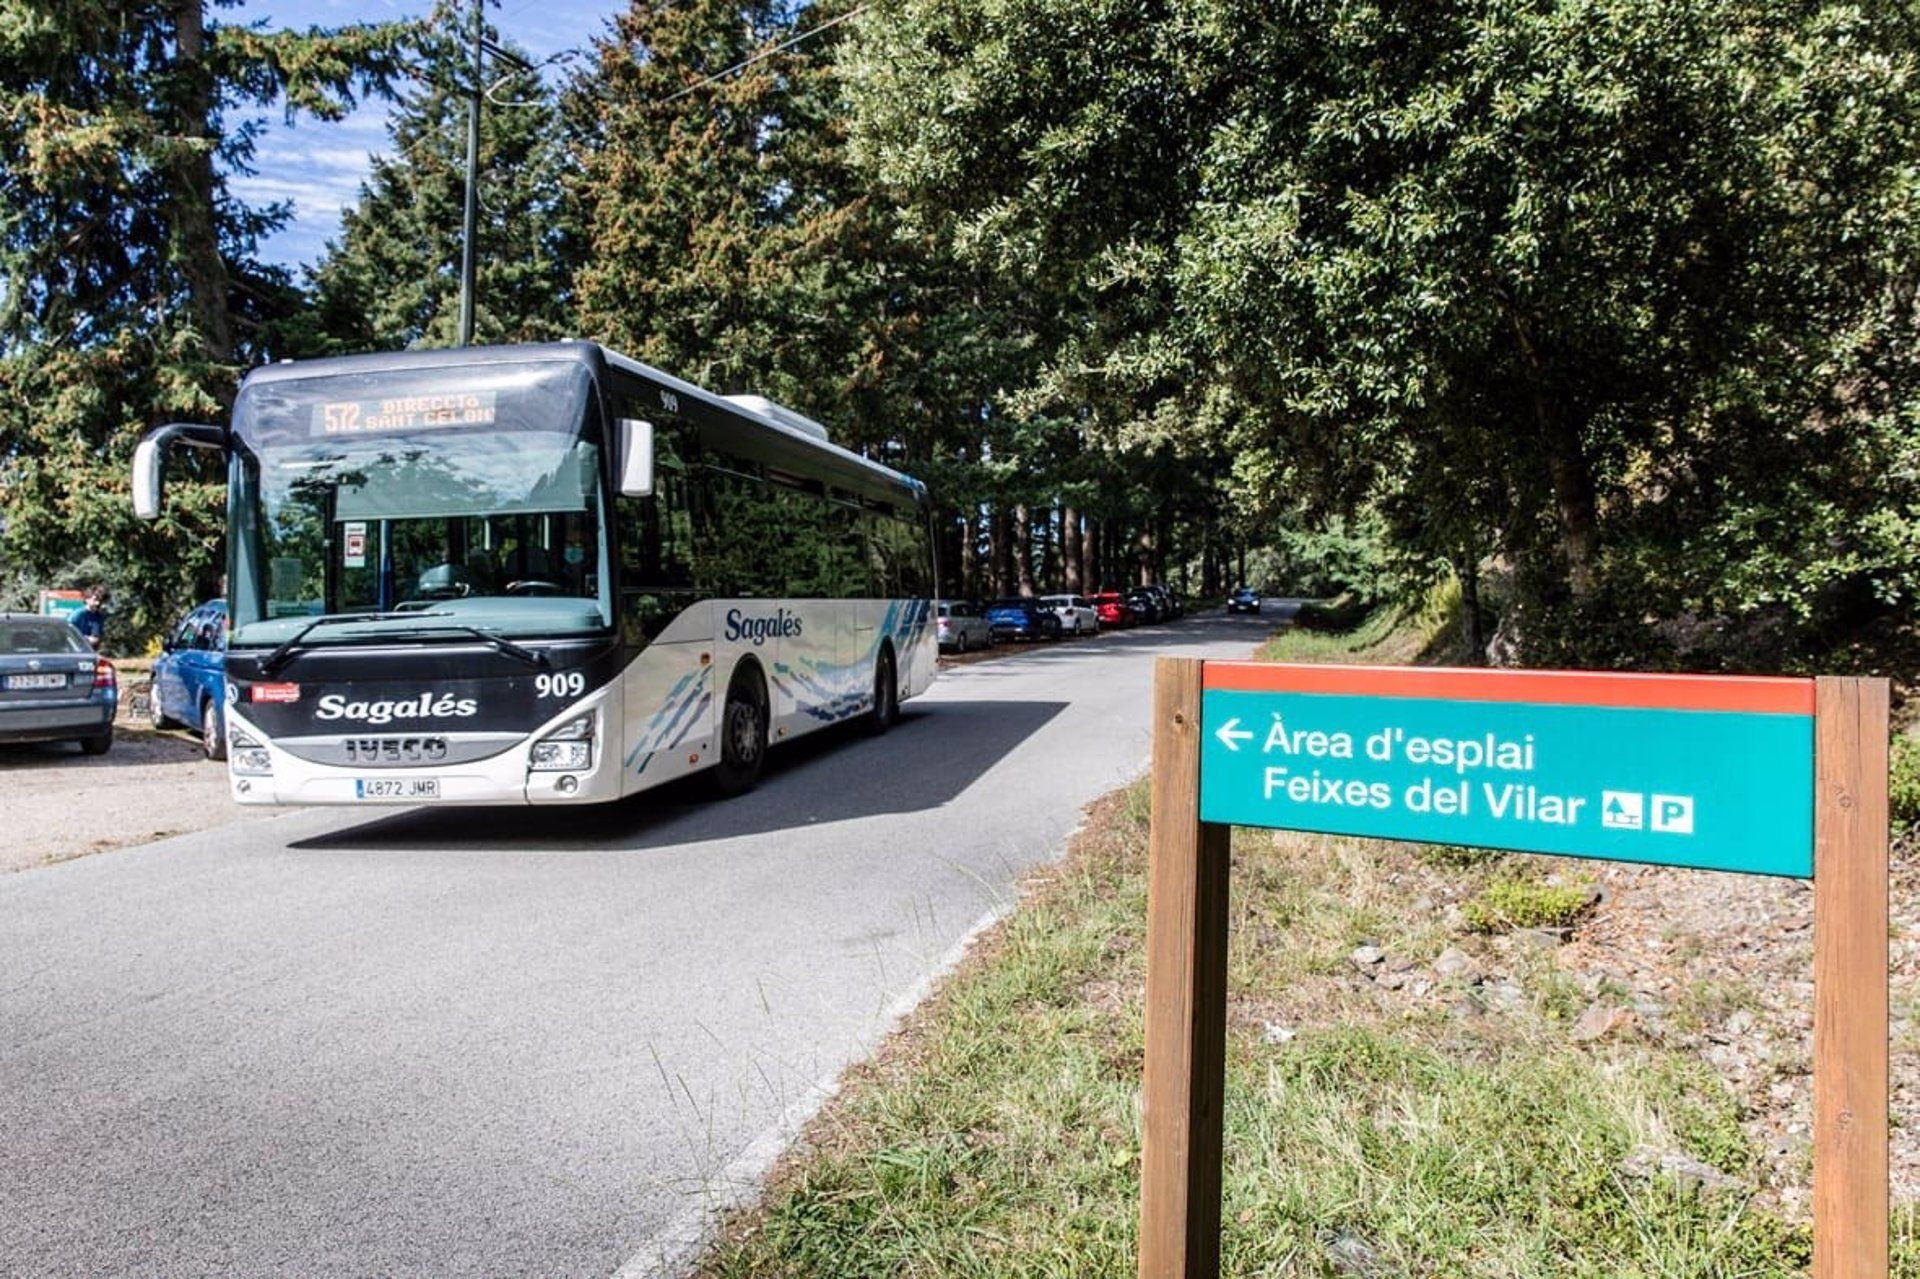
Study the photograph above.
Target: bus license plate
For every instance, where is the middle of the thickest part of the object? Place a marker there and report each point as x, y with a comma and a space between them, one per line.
36, 681
401, 788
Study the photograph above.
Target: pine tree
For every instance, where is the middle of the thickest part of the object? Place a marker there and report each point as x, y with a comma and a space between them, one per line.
133, 293
392, 280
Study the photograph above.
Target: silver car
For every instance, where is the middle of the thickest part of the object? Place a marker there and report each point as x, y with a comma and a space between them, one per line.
961, 626
1076, 613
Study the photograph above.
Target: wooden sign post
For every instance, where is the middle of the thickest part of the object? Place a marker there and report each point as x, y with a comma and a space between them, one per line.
1772, 776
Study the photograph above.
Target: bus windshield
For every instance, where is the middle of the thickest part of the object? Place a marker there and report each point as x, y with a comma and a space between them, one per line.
468, 493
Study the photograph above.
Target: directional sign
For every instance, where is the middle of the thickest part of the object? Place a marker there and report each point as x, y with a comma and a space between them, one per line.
1707, 771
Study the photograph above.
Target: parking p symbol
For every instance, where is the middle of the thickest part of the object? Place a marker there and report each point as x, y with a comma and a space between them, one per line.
1673, 814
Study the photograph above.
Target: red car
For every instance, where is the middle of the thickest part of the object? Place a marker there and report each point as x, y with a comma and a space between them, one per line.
1113, 609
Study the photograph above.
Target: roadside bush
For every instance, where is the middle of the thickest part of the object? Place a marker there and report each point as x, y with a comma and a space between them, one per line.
1903, 784
1510, 902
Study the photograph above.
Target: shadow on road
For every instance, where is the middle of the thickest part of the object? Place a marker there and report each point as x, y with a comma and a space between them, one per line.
130, 748
839, 774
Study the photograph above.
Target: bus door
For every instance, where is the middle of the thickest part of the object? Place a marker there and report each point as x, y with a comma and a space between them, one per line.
669, 701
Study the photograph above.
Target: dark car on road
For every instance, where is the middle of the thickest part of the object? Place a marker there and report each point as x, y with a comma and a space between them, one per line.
1022, 619
1146, 605
190, 677
1244, 600
53, 686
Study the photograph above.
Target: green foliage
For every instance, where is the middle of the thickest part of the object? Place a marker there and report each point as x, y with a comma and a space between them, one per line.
1520, 901
129, 290
1616, 291
1903, 783
393, 278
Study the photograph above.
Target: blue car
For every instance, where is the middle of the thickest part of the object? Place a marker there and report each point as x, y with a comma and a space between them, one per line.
190, 678
1022, 619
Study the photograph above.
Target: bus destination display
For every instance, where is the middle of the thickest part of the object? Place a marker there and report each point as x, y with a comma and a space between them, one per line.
404, 413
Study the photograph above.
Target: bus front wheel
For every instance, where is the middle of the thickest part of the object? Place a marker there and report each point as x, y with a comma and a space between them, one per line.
743, 735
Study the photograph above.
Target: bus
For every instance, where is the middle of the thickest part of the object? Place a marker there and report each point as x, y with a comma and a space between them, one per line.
544, 574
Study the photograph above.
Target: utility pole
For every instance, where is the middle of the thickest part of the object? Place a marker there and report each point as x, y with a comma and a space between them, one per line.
471, 217
470, 221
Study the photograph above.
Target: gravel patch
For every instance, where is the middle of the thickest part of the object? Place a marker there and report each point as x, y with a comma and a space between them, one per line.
60, 804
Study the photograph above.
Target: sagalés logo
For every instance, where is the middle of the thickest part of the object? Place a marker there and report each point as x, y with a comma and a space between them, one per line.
782, 625
425, 706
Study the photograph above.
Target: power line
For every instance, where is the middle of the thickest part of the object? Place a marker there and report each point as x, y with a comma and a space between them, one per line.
764, 54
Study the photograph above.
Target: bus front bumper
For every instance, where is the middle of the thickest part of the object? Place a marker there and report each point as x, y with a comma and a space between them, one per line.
503, 779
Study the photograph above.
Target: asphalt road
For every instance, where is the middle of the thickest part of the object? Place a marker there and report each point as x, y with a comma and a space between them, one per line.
502, 1042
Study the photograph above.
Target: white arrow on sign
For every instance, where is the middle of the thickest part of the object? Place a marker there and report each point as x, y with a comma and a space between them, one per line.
1232, 739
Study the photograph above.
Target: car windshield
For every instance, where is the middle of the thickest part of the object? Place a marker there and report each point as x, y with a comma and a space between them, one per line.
32, 635
469, 491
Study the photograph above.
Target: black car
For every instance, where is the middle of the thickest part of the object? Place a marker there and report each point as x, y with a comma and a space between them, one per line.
53, 686
1146, 605
1244, 600
1022, 619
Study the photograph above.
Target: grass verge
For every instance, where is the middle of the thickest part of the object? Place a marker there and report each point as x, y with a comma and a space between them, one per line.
1371, 1128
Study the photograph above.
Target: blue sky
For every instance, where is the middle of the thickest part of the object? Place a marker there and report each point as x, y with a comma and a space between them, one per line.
319, 166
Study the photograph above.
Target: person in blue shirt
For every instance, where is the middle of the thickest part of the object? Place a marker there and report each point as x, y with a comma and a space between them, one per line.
91, 621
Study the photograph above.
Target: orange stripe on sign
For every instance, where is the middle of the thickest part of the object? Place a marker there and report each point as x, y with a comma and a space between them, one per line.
1763, 694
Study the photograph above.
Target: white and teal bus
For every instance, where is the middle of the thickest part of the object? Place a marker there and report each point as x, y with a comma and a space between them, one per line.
544, 574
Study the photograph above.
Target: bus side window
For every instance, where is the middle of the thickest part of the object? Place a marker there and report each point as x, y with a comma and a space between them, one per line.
848, 539
738, 536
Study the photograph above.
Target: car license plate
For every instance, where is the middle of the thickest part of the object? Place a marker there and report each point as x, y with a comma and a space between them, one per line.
36, 681
401, 788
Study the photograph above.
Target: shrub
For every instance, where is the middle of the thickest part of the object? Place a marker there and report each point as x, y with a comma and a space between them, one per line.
1903, 783
1509, 902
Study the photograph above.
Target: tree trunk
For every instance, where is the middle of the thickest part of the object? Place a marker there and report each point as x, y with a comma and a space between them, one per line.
1002, 536
970, 554
1070, 550
1573, 496
1567, 469
196, 237
1023, 550
1143, 552
1468, 571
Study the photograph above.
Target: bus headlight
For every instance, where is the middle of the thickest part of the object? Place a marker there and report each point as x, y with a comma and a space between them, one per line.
247, 757
567, 749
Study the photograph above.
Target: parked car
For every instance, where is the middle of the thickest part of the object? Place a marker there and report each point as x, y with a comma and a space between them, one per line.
1077, 616
190, 677
1022, 619
1145, 605
1243, 600
960, 626
1112, 609
53, 686
1171, 605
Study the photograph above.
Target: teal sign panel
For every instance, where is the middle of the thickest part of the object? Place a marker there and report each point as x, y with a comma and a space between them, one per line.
1716, 789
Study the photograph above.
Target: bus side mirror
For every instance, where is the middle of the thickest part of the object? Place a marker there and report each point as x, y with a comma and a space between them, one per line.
636, 458
150, 456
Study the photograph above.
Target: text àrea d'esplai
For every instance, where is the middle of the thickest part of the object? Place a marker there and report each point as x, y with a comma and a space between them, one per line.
1462, 756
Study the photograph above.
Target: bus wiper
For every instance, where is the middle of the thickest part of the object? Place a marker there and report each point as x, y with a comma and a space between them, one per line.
500, 644
277, 658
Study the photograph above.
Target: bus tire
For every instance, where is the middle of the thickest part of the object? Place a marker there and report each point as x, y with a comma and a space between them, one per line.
743, 734
886, 694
